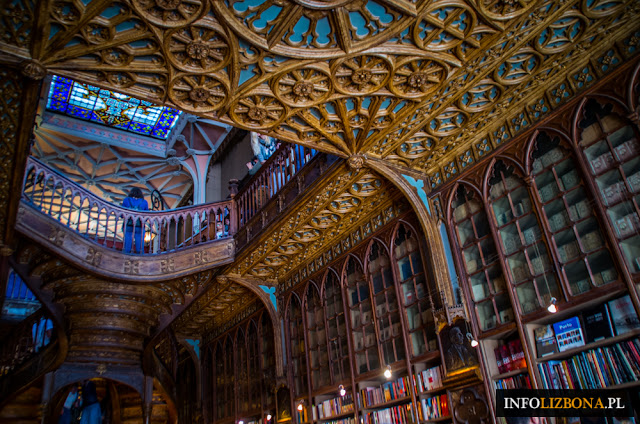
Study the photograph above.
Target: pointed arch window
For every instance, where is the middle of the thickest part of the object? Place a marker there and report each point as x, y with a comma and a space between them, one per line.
317, 339
519, 234
297, 346
415, 293
611, 147
568, 215
363, 330
481, 261
241, 372
267, 358
385, 304
254, 372
339, 362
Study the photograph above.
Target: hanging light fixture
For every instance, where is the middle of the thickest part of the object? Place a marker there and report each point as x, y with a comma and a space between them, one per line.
387, 372
552, 306
300, 407
472, 340
342, 391
269, 417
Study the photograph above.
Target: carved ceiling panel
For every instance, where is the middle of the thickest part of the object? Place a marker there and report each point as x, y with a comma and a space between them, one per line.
223, 300
422, 83
343, 202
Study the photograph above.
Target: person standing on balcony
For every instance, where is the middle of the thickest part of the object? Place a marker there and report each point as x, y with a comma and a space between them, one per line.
135, 200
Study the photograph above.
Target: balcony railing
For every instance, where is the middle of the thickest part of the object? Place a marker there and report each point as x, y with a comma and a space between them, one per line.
119, 228
25, 340
277, 171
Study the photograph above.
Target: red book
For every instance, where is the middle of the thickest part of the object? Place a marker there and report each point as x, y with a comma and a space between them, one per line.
506, 358
498, 352
517, 355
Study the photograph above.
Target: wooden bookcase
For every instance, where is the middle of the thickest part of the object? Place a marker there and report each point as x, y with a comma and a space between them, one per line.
551, 217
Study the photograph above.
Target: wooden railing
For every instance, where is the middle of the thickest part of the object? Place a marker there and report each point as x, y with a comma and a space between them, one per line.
278, 170
119, 228
29, 337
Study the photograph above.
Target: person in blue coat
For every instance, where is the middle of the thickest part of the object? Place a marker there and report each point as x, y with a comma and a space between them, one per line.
91, 413
135, 200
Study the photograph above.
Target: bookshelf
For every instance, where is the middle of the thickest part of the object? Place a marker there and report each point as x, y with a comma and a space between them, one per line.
610, 146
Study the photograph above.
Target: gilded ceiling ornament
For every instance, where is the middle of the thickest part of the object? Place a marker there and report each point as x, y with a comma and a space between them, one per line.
361, 74
356, 162
200, 47
33, 69
170, 13
417, 77
303, 87
197, 93
258, 111
317, 28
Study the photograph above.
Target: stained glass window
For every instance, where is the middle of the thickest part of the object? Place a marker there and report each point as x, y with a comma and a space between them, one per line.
106, 107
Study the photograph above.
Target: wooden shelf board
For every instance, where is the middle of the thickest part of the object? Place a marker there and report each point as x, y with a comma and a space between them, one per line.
509, 374
335, 417
437, 420
387, 403
599, 343
432, 391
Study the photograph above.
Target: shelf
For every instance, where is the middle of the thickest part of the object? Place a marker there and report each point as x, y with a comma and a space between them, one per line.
437, 420
599, 343
387, 403
335, 417
432, 391
510, 373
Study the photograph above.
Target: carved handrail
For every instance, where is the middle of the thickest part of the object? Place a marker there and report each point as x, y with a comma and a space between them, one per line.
274, 173
29, 337
119, 228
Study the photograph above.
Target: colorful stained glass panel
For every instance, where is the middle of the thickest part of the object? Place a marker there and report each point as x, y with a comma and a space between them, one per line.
109, 108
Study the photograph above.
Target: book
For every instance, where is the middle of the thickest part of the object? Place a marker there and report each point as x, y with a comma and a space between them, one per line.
568, 334
597, 323
623, 315
545, 341
517, 355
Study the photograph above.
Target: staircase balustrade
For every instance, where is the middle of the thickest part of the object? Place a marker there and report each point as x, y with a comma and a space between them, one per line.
25, 340
119, 228
274, 173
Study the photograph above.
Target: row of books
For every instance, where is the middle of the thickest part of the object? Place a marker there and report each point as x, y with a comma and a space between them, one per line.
521, 381
401, 414
595, 368
429, 379
331, 407
302, 416
371, 396
348, 420
434, 407
510, 356
612, 318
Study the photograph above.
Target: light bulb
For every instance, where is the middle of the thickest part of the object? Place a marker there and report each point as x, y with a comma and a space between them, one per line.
387, 372
552, 306
268, 417
342, 390
240, 422
300, 406
474, 343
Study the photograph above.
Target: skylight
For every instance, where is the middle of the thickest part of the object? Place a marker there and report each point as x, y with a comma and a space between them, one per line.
107, 107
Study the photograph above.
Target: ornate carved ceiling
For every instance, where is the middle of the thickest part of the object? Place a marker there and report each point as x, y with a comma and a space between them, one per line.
431, 85
341, 202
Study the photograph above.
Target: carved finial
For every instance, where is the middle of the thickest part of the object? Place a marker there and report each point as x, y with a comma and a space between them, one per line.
33, 69
356, 162
233, 188
102, 368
